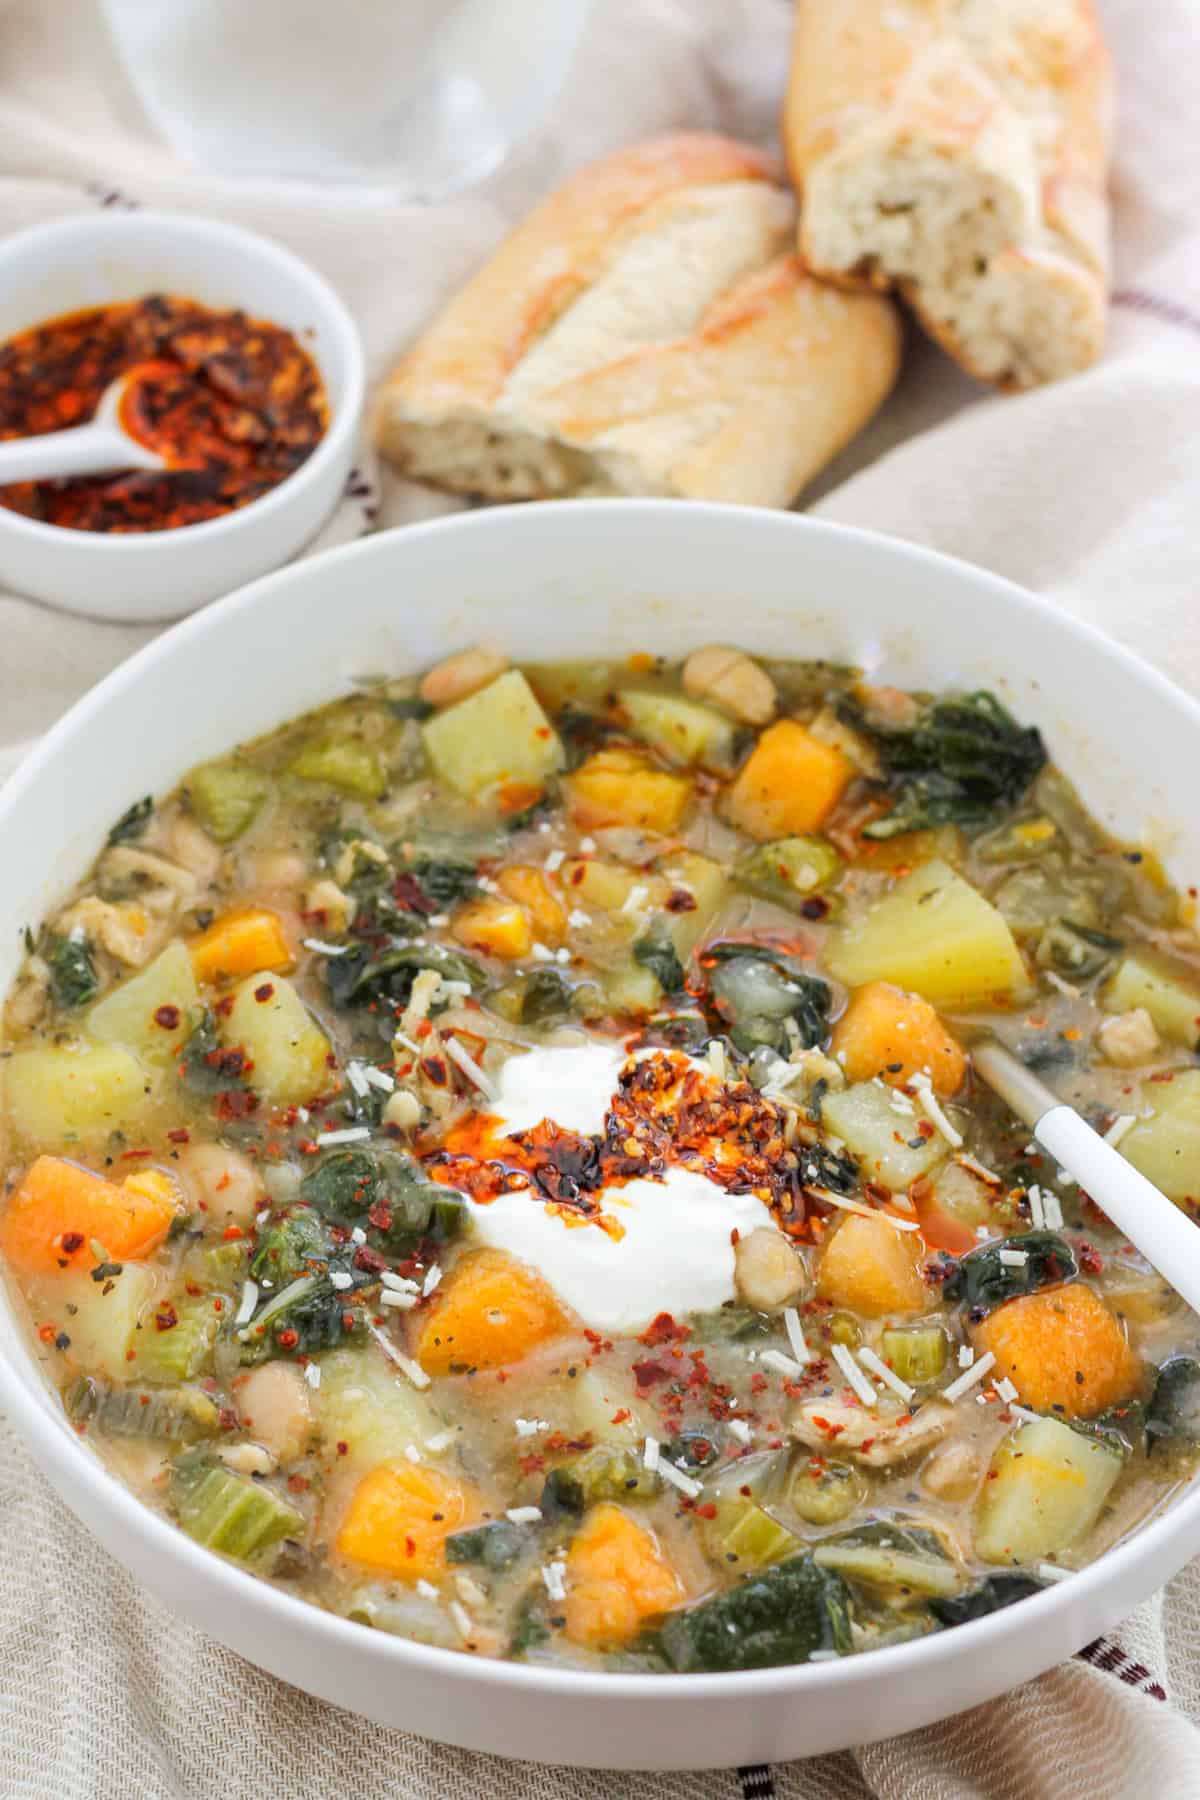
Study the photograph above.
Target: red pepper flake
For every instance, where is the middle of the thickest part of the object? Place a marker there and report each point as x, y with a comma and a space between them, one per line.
218, 1304
647, 1373
166, 1318
619, 1418
180, 1135
343, 1448
47, 1333
232, 403
298, 1484
288, 1339
71, 1241
224, 1006
1090, 1259
228, 1419
167, 1017
531, 1464
664, 1330
679, 900
265, 992
758, 1382
231, 1234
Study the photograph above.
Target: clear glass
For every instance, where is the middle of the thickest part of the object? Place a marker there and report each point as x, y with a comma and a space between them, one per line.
423, 96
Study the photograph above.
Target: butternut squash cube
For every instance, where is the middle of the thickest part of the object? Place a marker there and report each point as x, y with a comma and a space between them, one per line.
617, 1577
621, 787
789, 785
889, 1033
528, 886
490, 1310
497, 927
870, 1268
243, 942
1064, 1350
400, 1516
60, 1209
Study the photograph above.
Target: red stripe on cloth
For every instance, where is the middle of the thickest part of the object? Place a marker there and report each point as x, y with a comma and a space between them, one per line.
1110, 1659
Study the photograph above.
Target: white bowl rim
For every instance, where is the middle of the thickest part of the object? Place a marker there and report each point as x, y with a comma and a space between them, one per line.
72, 1459
344, 415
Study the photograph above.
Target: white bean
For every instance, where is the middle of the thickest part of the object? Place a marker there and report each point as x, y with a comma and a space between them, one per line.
731, 680
224, 1183
462, 674
274, 1403
768, 1273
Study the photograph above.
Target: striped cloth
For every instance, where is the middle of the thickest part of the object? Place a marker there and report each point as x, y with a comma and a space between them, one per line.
1087, 492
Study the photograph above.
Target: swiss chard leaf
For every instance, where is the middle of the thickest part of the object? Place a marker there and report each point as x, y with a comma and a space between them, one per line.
73, 977
387, 1194
962, 761
547, 995
766, 997
780, 1616
656, 952
367, 973
993, 1593
132, 823
982, 1281
496, 1545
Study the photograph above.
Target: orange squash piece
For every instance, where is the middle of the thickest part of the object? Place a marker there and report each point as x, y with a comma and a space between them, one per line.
886, 1032
870, 1268
60, 1207
622, 787
1064, 1350
497, 927
400, 1516
789, 785
616, 1578
490, 1311
529, 888
247, 941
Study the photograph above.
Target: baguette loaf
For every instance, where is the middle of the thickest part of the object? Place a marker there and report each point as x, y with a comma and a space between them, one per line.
958, 150
647, 330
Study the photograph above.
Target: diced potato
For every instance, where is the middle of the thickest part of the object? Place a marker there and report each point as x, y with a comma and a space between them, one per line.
241, 942
1166, 1146
604, 887
109, 1319
342, 763
683, 731
895, 1035
889, 1146
621, 787
400, 1516
149, 1013
617, 1576
71, 1096
527, 885
871, 1268
497, 927
497, 738
933, 933
789, 785
1064, 1351
597, 1398
288, 1053
366, 1404
705, 880
1047, 1487
1169, 994
631, 988
489, 1311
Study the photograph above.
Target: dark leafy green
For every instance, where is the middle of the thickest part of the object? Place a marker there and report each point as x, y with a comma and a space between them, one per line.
73, 977
496, 1545
656, 952
992, 1594
367, 973
780, 1616
759, 992
386, 1192
965, 759
547, 995
1174, 1409
132, 823
289, 1245
981, 1281
608, 1472
206, 1067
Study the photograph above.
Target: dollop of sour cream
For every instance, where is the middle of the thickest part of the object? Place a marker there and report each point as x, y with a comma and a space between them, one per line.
676, 1250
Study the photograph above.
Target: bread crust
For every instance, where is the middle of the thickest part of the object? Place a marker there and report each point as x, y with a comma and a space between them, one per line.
957, 151
648, 329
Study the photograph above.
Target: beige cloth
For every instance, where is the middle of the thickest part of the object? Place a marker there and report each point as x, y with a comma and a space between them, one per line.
1087, 492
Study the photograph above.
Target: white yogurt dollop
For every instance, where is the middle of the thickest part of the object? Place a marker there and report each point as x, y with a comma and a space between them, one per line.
675, 1255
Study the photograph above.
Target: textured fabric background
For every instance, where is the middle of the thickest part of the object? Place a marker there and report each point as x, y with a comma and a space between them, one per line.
1087, 492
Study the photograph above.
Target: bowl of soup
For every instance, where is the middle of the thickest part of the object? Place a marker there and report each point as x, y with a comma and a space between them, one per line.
499, 1225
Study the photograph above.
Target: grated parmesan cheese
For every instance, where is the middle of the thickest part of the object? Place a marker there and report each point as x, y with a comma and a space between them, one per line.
678, 1479
1120, 1125
405, 1364
791, 1324
928, 1102
974, 1374
469, 1066
854, 1376
650, 1453
249, 1301
875, 1363
353, 1134
523, 1515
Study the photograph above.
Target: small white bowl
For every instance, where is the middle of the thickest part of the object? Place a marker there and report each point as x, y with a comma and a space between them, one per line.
96, 259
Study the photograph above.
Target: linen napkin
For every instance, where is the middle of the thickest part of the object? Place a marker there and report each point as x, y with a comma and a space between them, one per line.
1086, 491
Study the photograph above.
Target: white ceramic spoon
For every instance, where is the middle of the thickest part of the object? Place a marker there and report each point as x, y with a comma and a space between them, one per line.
1165, 1236
100, 447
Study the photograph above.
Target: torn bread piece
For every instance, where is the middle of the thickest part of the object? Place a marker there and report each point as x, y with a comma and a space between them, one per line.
649, 329
957, 150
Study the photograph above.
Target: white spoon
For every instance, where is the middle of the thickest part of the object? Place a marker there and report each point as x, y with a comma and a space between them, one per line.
100, 447
1165, 1236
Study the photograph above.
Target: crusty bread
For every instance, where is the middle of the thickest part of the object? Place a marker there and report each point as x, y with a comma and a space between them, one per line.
647, 330
958, 150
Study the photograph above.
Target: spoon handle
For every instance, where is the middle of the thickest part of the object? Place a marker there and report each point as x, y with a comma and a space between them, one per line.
1166, 1237
84, 450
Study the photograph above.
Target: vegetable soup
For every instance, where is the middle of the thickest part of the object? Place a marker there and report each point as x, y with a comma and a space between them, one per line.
499, 1158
